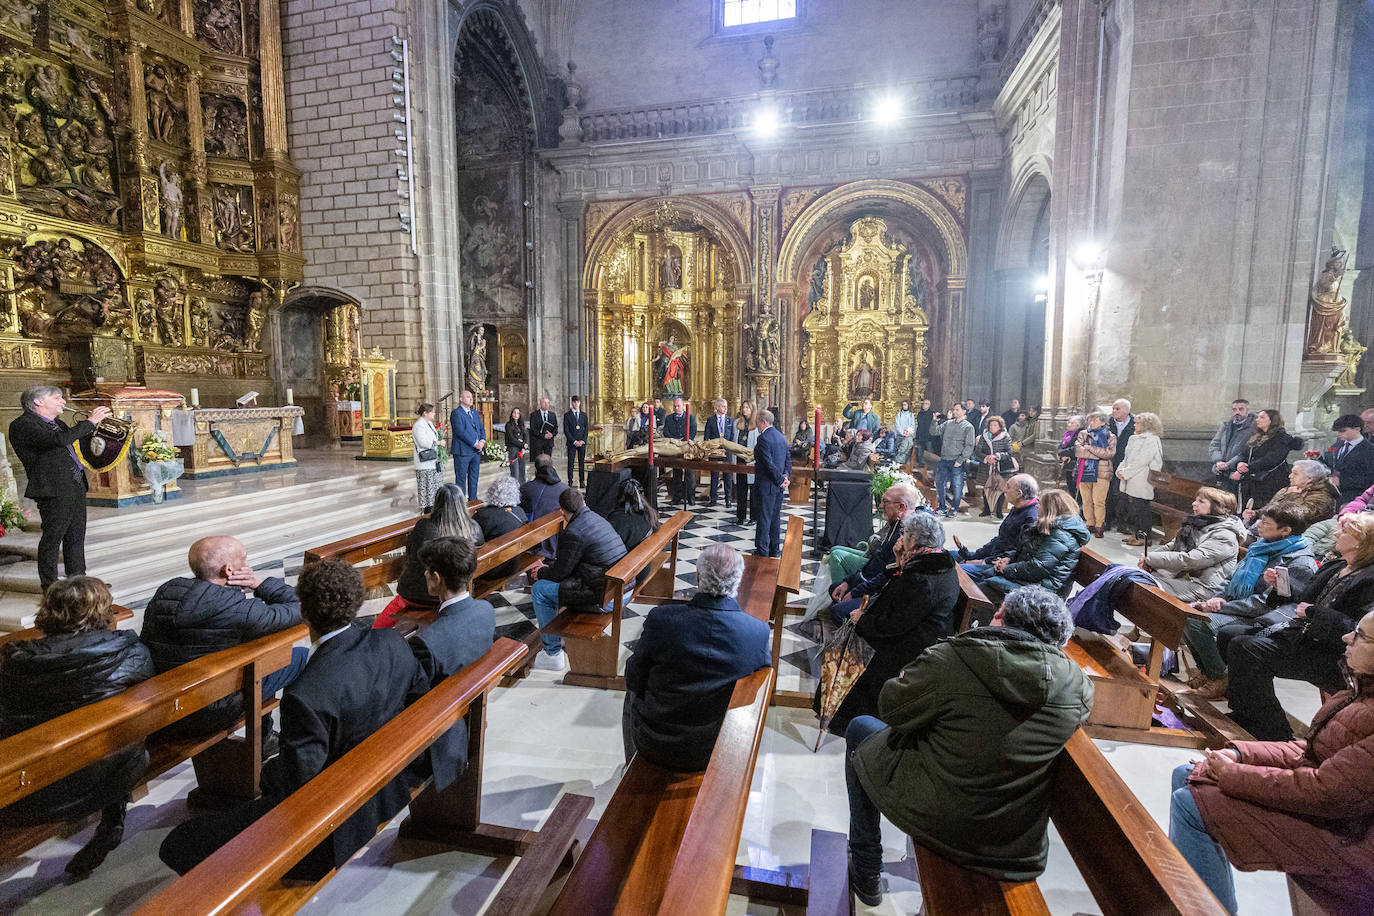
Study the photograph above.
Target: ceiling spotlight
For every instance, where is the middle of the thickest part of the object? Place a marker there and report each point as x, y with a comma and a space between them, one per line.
766, 121
887, 109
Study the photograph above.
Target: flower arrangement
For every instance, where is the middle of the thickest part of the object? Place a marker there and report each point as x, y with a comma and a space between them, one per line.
441, 450
495, 451
889, 476
11, 516
156, 448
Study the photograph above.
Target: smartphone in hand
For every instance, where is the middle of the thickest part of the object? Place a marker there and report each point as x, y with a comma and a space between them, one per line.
1283, 585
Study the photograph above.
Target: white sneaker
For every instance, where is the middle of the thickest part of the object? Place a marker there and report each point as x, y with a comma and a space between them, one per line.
546, 662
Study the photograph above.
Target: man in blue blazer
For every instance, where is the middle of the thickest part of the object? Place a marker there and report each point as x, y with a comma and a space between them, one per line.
721, 426
679, 680
772, 472
469, 438
464, 629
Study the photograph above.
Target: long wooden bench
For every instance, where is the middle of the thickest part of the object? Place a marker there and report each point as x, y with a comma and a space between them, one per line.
593, 649
1125, 695
1124, 856
973, 604
247, 872
1173, 501
385, 545
666, 843
226, 768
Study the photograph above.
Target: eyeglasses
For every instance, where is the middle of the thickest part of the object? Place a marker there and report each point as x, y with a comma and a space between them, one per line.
1365, 636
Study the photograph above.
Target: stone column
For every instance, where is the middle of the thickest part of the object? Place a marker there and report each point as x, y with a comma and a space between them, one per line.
572, 227
141, 193
982, 363
765, 199
198, 195
273, 83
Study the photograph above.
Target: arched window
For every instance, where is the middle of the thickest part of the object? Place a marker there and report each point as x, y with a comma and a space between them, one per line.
734, 15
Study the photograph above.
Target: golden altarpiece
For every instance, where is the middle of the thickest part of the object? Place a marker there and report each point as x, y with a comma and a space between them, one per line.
149, 214
867, 334
668, 316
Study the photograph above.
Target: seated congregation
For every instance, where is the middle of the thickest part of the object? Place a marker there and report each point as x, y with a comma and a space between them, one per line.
956, 730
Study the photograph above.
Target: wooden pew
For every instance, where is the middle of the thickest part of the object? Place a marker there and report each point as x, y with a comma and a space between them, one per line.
1124, 695
226, 769
788, 584
973, 604
593, 652
247, 872
379, 544
1173, 501
667, 842
1125, 858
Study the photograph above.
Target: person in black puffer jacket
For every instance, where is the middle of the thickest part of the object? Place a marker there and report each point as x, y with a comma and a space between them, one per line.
539, 497
77, 661
191, 617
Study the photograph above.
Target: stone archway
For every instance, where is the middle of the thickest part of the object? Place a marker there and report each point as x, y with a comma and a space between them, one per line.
1022, 281
316, 354
919, 221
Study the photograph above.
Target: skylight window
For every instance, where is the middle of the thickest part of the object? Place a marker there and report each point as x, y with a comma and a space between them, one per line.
750, 12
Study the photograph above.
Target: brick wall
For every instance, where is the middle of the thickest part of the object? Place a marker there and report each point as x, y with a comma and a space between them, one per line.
339, 114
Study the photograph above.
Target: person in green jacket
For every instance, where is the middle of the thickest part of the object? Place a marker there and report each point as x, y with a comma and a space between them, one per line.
960, 758
1047, 555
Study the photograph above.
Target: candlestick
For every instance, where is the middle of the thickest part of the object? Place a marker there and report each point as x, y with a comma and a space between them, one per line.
816, 428
687, 426
195, 397
652, 422
290, 397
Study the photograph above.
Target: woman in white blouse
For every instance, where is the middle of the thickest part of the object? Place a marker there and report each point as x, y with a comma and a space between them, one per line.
426, 456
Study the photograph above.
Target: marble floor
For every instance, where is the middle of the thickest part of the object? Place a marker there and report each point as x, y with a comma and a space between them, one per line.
545, 739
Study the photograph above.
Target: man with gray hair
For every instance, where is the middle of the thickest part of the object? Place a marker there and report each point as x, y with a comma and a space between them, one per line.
720, 426
679, 680
856, 573
960, 757
1023, 493
46, 447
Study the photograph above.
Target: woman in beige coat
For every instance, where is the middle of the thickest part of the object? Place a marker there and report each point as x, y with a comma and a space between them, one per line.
1144, 454
1198, 563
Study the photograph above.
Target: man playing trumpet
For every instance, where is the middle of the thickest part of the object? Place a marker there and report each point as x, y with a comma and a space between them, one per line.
56, 481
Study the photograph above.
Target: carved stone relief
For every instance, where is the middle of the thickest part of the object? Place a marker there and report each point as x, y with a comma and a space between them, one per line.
233, 206
219, 23
166, 92
65, 285
226, 126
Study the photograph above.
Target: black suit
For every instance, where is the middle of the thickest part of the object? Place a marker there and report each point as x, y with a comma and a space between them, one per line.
675, 426
354, 683
541, 422
465, 629
58, 484
575, 430
772, 464
719, 427
1355, 468
1119, 505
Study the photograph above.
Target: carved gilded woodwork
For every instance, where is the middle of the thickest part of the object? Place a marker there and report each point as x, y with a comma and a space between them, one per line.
138, 199
866, 334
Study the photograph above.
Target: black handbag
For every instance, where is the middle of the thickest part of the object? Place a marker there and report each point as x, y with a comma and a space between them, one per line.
1006, 465
427, 454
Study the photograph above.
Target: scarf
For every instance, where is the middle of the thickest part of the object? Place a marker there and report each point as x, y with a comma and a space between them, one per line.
1245, 580
1087, 467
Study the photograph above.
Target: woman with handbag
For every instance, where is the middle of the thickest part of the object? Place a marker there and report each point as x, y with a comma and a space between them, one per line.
1144, 454
426, 458
993, 448
1094, 448
1264, 468
517, 444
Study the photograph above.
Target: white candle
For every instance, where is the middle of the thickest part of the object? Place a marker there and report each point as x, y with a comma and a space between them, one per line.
290, 397
195, 397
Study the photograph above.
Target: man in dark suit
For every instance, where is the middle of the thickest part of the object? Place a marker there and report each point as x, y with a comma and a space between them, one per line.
721, 426
772, 473
973, 415
1351, 459
543, 427
356, 681
679, 680
469, 438
1122, 425
464, 629
47, 448
575, 431
677, 426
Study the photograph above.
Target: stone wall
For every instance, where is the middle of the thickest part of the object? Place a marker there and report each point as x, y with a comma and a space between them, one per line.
339, 103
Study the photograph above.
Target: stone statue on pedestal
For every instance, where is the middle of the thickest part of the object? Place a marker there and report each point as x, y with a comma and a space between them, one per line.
1326, 310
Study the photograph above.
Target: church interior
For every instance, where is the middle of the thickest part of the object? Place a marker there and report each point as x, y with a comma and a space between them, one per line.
265, 265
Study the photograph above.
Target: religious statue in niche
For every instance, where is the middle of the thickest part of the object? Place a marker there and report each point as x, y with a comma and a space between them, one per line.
1351, 352
763, 342
990, 34
863, 383
200, 322
166, 109
169, 299
670, 368
257, 315
226, 127
233, 217
670, 268
145, 313
171, 200
477, 360
1326, 309
817, 292
289, 215
268, 220
220, 25
229, 334
868, 294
